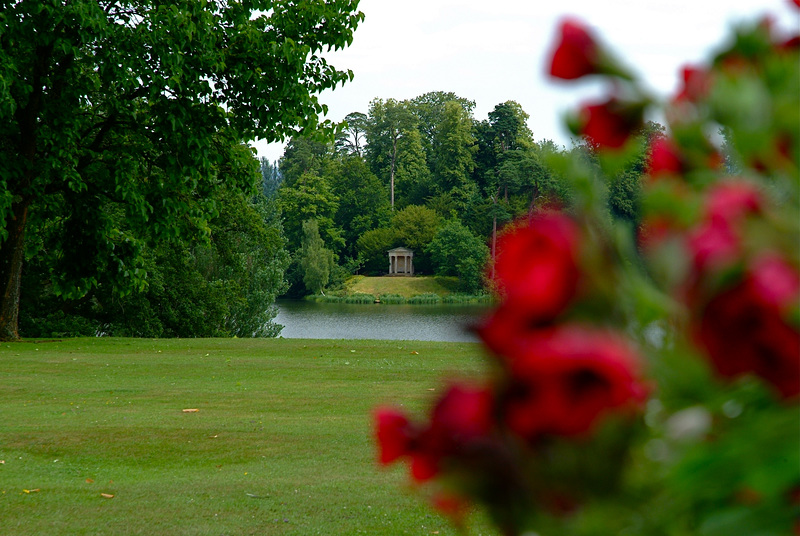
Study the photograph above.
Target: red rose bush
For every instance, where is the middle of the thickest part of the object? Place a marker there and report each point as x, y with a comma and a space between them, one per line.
642, 381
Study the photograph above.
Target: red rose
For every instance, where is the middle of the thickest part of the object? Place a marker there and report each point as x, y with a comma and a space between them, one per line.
564, 379
506, 327
462, 415
425, 465
609, 124
696, 85
452, 506
732, 200
664, 158
394, 434
463, 412
576, 53
775, 281
791, 44
654, 231
717, 241
536, 267
743, 329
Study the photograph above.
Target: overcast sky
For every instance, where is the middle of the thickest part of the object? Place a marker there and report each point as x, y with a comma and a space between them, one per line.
495, 51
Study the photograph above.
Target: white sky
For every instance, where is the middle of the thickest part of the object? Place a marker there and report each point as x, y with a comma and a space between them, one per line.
495, 51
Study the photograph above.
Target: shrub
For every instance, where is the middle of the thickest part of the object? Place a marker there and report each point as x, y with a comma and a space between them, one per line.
468, 298
360, 297
372, 247
455, 251
425, 299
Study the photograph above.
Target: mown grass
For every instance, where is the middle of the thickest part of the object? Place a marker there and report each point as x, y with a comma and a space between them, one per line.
281, 442
402, 286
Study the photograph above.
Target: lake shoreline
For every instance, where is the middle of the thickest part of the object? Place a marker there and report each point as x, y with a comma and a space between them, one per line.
396, 299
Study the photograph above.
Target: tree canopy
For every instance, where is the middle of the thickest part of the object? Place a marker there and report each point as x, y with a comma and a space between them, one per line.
137, 110
316, 261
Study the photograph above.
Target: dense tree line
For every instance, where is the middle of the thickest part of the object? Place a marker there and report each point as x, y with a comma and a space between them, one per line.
426, 174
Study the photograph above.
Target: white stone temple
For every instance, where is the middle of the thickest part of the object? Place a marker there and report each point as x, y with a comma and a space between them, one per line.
401, 261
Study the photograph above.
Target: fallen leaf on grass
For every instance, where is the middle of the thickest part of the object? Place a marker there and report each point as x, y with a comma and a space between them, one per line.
191, 410
106, 495
89, 481
414, 353
31, 490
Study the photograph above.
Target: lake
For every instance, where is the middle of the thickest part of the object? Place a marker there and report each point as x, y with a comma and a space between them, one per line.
309, 320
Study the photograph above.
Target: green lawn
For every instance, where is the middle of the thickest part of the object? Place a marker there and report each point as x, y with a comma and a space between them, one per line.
281, 442
403, 286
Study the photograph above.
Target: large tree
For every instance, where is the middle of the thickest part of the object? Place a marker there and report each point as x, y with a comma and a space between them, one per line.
135, 103
505, 130
271, 177
509, 127
316, 261
388, 122
222, 286
352, 139
454, 147
363, 203
309, 197
429, 110
413, 177
303, 154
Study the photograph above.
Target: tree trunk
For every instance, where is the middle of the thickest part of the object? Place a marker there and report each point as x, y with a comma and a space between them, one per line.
494, 235
391, 181
391, 170
12, 253
534, 197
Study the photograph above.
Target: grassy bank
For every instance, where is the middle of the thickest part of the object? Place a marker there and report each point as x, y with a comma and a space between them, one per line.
397, 290
403, 286
94, 438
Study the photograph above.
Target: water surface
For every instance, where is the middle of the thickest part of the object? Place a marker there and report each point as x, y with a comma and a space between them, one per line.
311, 320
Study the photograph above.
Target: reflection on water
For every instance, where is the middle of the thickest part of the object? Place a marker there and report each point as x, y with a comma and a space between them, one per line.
378, 321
